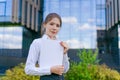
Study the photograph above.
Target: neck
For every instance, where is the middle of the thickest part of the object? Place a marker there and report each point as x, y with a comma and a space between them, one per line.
51, 37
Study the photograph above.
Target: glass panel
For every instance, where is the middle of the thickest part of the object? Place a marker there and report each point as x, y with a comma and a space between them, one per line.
78, 17
5, 10
2, 9
119, 36
10, 37
2, 0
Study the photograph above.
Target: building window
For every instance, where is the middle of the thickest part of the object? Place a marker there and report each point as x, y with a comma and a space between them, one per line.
118, 9
37, 2
2, 8
5, 10
78, 16
6, 33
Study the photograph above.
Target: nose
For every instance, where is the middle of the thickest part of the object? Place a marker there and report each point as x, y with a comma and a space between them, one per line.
55, 27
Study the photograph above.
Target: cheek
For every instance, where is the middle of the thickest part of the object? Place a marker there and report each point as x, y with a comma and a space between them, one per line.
48, 27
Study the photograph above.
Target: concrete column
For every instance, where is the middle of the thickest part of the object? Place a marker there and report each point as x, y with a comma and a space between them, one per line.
17, 5
32, 25
112, 8
23, 12
116, 11
28, 15
36, 27
15, 11
119, 8
13, 6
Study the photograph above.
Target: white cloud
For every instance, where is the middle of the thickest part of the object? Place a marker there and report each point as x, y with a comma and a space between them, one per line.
9, 39
86, 26
69, 19
74, 44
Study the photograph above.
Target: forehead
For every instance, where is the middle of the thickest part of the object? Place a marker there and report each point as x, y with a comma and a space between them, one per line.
55, 20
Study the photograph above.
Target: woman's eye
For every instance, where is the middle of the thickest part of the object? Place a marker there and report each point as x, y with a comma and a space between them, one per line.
51, 23
58, 25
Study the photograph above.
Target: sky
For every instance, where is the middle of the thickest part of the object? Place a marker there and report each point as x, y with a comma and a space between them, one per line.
5, 7
10, 32
79, 21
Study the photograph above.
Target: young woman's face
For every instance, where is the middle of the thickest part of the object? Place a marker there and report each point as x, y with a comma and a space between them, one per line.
52, 27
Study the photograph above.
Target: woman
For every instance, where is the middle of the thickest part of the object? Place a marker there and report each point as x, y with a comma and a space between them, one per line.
52, 25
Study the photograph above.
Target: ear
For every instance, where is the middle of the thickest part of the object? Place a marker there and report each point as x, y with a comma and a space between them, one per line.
43, 29
44, 25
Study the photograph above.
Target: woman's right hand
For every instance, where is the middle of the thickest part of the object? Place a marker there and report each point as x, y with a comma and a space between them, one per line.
57, 69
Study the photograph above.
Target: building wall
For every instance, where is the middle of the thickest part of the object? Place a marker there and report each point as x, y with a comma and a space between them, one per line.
17, 33
79, 21
112, 22
27, 12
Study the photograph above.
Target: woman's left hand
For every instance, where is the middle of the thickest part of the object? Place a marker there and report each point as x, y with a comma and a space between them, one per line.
65, 46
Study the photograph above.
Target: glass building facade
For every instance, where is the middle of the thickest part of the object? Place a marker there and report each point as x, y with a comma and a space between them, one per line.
19, 25
5, 10
6, 33
80, 21
100, 24
113, 29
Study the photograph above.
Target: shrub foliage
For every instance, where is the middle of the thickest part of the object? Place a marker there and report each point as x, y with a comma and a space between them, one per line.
17, 73
89, 69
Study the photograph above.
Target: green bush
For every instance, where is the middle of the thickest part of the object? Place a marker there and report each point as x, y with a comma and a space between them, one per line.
88, 68
105, 73
17, 73
88, 57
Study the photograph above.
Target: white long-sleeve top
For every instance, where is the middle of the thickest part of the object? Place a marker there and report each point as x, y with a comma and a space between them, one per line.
33, 57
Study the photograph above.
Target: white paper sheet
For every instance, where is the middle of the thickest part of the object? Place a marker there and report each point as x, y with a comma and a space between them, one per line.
51, 53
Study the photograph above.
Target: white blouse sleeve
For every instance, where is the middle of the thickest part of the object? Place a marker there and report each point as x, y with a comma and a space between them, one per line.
34, 53
66, 62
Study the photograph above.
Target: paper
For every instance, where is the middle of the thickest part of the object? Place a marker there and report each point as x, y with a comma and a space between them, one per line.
51, 53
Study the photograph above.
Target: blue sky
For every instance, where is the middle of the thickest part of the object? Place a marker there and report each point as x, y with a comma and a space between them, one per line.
79, 21
6, 33
5, 7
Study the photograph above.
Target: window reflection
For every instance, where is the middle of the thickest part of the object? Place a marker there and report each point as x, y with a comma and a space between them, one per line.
119, 35
10, 38
5, 10
79, 25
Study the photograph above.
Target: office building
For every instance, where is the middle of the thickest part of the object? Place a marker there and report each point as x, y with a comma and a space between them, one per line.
113, 29
20, 22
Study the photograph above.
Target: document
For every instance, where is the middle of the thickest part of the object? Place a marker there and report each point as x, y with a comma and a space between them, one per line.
51, 53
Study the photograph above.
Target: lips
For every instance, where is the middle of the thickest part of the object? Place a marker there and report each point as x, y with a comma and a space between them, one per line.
53, 32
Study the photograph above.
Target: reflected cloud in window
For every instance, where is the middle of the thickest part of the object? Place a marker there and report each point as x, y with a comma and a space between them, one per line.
10, 37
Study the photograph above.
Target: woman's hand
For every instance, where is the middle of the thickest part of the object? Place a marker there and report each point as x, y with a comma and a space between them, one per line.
65, 46
57, 69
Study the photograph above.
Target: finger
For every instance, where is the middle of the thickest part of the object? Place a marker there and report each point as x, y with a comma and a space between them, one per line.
61, 43
65, 50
